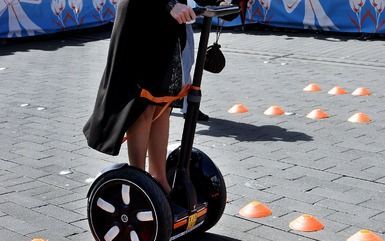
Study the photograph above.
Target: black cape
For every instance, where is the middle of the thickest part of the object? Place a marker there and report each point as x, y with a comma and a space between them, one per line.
142, 44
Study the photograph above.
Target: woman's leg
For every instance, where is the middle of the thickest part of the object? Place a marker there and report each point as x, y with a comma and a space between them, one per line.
139, 134
157, 148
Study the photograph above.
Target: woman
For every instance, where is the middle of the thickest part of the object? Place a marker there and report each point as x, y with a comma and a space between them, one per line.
142, 77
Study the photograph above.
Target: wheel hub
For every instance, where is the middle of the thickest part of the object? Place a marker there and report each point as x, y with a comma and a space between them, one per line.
124, 218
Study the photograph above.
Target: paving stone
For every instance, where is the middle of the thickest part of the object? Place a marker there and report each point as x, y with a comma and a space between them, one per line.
59, 213
363, 184
372, 203
4, 191
82, 224
352, 209
7, 164
54, 194
357, 170
6, 234
364, 223
30, 172
295, 194
307, 183
16, 182
45, 188
23, 200
380, 217
43, 221
26, 186
302, 207
73, 204
314, 173
347, 197
61, 181
272, 234
219, 232
18, 226
85, 236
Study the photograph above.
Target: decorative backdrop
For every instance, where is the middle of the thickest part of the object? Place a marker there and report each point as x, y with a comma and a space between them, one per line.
328, 15
20, 18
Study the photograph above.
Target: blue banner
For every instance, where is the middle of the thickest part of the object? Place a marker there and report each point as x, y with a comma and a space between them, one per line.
19, 18
328, 15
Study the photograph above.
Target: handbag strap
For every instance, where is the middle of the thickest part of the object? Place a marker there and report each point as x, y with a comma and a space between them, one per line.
219, 29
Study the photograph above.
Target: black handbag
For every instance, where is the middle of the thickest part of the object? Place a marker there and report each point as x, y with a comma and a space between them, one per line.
215, 60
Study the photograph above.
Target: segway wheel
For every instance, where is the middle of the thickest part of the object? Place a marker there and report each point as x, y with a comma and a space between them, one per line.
128, 205
208, 182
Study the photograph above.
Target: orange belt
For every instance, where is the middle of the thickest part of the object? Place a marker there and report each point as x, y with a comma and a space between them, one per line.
165, 99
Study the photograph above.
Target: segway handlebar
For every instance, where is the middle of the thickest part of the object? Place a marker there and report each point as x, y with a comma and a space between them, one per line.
216, 11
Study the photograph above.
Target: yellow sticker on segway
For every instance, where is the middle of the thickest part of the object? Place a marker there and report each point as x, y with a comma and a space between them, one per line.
192, 221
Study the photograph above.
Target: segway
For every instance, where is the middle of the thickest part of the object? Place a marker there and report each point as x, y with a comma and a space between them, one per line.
127, 204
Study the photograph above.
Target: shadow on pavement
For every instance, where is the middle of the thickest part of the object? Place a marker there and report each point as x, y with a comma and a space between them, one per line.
252, 133
208, 237
261, 29
52, 42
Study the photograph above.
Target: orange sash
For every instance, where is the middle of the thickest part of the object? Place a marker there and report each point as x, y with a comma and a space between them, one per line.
165, 99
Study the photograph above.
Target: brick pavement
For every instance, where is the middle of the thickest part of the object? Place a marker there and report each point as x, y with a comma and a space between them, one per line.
332, 169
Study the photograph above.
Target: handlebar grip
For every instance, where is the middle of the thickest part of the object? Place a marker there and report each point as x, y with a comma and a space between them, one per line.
216, 11
199, 10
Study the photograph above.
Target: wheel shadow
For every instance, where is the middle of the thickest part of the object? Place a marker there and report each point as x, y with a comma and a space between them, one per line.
208, 237
251, 133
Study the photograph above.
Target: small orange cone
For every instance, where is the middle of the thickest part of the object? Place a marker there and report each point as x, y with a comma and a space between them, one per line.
274, 110
238, 108
255, 209
361, 91
306, 223
38, 239
317, 114
360, 118
337, 91
312, 88
365, 235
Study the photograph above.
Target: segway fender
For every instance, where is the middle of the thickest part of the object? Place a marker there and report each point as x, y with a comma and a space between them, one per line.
112, 167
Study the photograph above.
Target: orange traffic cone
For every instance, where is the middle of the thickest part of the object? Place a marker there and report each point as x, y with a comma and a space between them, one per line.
312, 88
306, 223
274, 110
238, 108
360, 118
337, 91
361, 91
365, 235
38, 239
317, 114
255, 209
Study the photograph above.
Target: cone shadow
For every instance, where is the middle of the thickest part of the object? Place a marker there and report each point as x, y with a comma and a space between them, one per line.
251, 133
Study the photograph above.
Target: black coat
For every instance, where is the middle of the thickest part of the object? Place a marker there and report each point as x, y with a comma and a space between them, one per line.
142, 44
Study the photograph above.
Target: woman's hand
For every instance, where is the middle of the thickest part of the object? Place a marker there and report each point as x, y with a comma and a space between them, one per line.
182, 13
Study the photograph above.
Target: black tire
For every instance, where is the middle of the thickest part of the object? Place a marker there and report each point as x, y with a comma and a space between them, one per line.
127, 204
208, 182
